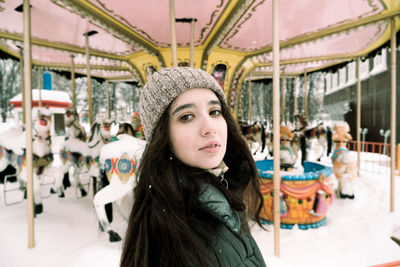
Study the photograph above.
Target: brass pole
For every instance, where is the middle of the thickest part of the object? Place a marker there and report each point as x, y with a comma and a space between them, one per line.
39, 77
358, 116
296, 85
283, 99
40, 85
108, 99
305, 96
249, 100
192, 22
276, 127
28, 119
393, 111
173, 33
73, 82
89, 81
22, 64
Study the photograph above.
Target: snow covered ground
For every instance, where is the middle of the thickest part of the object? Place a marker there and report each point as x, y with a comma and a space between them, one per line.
357, 232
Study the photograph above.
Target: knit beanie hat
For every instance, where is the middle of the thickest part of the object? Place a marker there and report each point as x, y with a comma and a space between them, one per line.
164, 86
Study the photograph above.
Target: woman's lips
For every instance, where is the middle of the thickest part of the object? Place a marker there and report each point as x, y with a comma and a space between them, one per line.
211, 147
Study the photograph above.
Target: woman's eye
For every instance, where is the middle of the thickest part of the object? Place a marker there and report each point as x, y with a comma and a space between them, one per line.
186, 117
215, 112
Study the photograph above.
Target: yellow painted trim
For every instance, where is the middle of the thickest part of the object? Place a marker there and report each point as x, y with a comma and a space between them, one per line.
87, 6
60, 46
221, 20
312, 36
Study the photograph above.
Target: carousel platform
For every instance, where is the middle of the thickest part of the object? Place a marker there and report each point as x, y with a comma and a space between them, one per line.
305, 196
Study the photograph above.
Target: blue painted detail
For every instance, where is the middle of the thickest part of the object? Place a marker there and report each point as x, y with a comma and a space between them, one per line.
301, 226
124, 166
88, 160
312, 171
312, 225
107, 165
266, 222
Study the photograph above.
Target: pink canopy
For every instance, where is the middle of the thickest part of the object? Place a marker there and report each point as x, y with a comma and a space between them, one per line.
132, 35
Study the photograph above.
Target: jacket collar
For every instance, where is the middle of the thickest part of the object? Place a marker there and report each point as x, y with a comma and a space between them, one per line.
215, 203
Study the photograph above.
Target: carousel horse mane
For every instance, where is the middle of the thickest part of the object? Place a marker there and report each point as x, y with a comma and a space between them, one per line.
126, 128
301, 119
82, 133
95, 128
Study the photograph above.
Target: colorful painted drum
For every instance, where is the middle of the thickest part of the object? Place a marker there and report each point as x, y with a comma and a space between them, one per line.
304, 198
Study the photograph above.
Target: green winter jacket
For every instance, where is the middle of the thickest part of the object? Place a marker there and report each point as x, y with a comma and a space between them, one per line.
231, 246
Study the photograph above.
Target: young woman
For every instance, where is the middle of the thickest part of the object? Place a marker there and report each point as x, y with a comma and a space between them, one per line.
197, 181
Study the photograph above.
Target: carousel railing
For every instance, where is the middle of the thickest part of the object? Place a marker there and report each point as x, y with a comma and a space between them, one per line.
375, 156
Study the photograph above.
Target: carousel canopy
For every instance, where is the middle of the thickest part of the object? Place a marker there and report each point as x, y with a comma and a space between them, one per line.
126, 37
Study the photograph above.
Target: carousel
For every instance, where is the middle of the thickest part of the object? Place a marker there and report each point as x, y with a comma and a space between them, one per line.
235, 41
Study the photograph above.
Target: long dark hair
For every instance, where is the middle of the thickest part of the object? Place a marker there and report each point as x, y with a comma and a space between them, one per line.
166, 226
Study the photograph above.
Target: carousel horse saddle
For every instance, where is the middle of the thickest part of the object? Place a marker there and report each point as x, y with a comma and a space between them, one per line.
339, 151
124, 167
76, 158
42, 161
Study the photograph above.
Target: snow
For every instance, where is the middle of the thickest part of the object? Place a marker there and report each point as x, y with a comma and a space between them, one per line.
50, 95
357, 233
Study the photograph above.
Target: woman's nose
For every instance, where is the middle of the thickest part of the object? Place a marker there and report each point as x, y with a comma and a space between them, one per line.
207, 127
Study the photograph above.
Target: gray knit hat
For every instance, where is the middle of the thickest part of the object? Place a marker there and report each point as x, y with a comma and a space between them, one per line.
164, 86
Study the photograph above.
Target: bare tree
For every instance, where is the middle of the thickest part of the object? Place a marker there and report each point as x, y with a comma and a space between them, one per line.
10, 85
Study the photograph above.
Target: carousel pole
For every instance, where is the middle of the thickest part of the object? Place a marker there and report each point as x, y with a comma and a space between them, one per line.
73, 82
393, 111
296, 85
358, 116
192, 23
305, 96
173, 33
21, 63
108, 98
249, 100
276, 126
89, 81
40, 85
28, 119
283, 98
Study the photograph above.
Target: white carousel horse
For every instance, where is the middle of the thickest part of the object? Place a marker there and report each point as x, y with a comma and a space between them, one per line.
287, 157
254, 134
344, 165
6, 152
72, 152
120, 160
42, 156
100, 134
311, 140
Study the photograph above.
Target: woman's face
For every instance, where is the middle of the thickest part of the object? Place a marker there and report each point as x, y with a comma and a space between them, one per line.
198, 131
